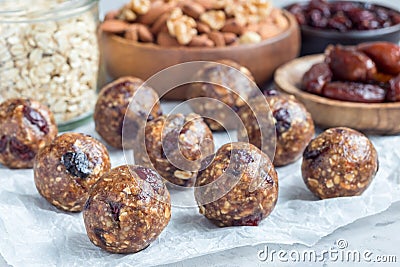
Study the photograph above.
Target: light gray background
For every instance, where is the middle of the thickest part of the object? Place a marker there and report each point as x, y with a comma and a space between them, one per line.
379, 233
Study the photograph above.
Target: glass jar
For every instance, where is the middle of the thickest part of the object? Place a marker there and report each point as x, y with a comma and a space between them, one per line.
49, 52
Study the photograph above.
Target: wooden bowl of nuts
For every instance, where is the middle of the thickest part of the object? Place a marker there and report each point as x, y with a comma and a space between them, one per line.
143, 41
372, 118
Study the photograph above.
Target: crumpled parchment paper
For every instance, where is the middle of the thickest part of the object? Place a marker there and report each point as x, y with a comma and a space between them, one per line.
32, 232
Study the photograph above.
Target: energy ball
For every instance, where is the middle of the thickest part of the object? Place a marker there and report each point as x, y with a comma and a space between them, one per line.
221, 76
127, 209
175, 146
25, 127
112, 105
293, 123
66, 169
238, 187
340, 162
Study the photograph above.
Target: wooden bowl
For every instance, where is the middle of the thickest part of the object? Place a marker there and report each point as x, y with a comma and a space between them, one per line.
381, 118
123, 57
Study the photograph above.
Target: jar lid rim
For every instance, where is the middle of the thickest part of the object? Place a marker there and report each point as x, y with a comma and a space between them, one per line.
41, 11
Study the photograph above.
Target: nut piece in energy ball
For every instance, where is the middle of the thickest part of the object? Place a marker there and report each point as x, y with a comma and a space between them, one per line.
222, 83
26, 126
66, 169
113, 103
239, 186
340, 162
294, 128
127, 209
175, 146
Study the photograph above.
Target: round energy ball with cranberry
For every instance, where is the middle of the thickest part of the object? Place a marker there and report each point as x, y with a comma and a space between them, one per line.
239, 186
25, 127
127, 209
114, 103
66, 169
340, 162
293, 123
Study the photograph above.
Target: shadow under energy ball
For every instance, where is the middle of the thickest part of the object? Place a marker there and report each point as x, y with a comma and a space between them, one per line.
175, 146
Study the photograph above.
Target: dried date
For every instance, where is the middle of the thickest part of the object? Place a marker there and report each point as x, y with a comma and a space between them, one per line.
354, 92
315, 78
385, 55
349, 65
393, 93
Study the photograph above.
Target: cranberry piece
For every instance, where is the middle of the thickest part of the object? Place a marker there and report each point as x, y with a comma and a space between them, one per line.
76, 164
283, 121
3, 143
20, 150
251, 220
35, 118
271, 92
115, 209
151, 177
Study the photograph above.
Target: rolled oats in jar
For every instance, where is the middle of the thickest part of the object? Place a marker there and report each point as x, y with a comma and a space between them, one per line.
49, 52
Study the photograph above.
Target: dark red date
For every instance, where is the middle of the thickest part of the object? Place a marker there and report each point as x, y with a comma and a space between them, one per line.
315, 78
354, 92
385, 55
350, 65
344, 15
393, 93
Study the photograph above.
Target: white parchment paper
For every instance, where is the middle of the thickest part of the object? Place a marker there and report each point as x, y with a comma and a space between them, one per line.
34, 233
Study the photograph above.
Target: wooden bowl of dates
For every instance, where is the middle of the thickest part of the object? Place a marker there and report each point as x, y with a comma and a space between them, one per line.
344, 22
366, 111
125, 57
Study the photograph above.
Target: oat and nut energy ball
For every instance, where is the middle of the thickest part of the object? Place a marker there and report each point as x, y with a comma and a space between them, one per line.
238, 187
175, 146
113, 103
127, 209
66, 169
25, 127
221, 76
339, 162
293, 123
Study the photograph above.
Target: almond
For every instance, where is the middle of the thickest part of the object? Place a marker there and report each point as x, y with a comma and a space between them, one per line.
132, 32
111, 15
157, 9
144, 34
114, 26
268, 30
160, 23
217, 38
164, 39
201, 41
229, 38
192, 9
203, 28
231, 25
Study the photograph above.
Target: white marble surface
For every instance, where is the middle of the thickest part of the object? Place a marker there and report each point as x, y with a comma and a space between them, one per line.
378, 233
